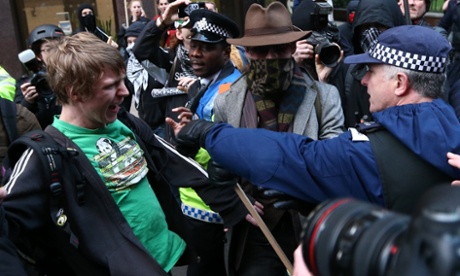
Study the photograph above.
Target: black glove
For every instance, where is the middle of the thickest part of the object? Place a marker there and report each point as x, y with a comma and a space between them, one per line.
194, 133
220, 176
285, 201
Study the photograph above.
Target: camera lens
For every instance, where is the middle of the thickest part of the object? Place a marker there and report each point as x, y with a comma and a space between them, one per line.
329, 53
349, 237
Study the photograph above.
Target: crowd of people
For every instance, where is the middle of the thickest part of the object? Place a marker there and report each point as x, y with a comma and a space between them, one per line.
292, 108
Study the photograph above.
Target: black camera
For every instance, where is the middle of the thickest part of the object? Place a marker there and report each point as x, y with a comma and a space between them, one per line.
322, 35
38, 79
186, 10
350, 237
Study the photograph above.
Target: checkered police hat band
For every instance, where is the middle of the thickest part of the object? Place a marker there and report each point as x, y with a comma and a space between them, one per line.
411, 61
204, 25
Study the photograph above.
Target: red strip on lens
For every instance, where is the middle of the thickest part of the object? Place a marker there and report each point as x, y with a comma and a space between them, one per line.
311, 245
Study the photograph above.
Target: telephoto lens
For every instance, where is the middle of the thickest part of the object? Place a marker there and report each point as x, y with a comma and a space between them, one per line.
329, 53
349, 237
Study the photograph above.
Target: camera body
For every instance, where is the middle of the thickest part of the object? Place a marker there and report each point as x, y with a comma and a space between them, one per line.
38, 79
350, 237
186, 10
322, 36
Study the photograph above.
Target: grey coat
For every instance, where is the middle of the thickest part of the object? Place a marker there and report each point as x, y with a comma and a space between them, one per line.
228, 108
328, 122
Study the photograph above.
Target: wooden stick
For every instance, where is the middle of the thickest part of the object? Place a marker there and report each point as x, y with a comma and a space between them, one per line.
126, 14
239, 191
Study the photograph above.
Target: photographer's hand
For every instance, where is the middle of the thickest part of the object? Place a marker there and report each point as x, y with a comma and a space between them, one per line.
304, 50
324, 71
29, 92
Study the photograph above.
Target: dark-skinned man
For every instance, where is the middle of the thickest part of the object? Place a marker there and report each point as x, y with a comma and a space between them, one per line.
210, 59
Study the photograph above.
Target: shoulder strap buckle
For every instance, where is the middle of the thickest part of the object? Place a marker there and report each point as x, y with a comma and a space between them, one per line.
368, 127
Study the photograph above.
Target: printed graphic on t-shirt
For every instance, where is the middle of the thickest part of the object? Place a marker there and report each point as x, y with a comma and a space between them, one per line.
122, 165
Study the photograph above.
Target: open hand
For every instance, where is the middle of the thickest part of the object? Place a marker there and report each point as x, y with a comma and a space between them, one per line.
185, 116
454, 160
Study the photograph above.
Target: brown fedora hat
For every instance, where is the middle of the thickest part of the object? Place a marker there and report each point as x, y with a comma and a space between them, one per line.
268, 26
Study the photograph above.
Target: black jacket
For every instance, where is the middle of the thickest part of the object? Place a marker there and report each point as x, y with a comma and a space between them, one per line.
100, 241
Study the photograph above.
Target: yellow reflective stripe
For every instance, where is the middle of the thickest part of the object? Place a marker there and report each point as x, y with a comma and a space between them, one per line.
189, 197
7, 85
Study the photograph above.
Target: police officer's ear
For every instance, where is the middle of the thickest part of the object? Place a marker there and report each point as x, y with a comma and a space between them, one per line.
227, 48
402, 85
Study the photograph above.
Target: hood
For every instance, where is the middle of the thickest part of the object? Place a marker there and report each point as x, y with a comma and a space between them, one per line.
83, 6
428, 129
88, 23
383, 12
352, 5
351, 8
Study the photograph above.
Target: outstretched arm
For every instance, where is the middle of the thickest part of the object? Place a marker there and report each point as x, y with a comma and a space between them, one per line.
309, 170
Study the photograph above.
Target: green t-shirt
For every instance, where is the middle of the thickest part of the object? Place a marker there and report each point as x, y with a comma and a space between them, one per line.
119, 160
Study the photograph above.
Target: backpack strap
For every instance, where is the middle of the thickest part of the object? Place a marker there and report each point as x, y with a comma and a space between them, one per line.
404, 174
8, 114
51, 155
70, 150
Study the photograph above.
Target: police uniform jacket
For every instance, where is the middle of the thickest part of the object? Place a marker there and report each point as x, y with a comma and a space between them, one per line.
339, 167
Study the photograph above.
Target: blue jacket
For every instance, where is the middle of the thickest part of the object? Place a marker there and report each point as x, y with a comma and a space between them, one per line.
339, 167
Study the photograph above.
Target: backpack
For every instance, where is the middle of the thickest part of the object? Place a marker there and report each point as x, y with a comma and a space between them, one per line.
51, 155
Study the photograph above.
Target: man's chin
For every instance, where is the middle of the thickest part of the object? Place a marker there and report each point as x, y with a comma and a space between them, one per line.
110, 118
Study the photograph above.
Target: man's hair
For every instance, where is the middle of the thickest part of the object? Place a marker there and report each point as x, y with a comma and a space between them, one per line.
77, 62
131, 2
426, 84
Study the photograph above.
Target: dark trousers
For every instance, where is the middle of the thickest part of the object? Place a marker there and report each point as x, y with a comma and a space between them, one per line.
207, 240
259, 257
